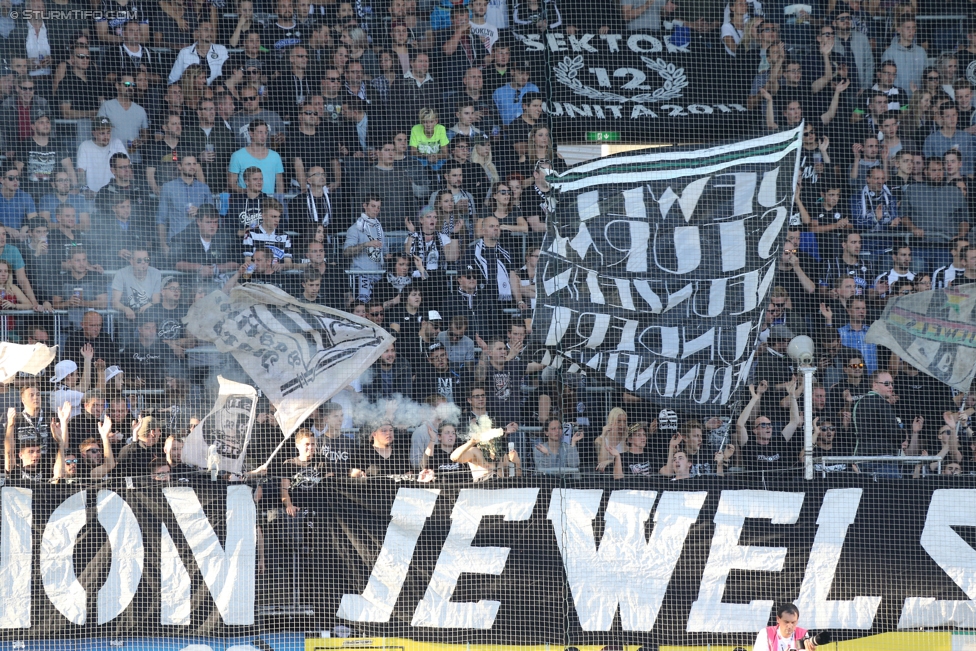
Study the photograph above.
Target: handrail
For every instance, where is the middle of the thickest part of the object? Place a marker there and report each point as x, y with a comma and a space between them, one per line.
883, 458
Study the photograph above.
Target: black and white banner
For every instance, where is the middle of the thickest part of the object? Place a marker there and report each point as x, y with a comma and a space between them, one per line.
655, 270
522, 562
640, 84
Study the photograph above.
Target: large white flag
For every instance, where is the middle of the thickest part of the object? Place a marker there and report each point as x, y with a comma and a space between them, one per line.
15, 358
226, 429
298, 354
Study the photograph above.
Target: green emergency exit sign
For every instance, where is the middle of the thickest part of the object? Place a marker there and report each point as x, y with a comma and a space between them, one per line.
603, 136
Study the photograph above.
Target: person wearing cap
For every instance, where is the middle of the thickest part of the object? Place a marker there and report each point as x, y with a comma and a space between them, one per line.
19, 111
467, 301
69, 386
508, 98
851, 43
415, 349
93, 157
203, 52
135, 458
381, 457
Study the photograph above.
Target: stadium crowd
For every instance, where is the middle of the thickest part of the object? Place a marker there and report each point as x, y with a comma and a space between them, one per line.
390, 159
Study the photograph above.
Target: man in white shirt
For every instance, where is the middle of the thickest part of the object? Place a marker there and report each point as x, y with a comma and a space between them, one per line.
93, 155
203, 51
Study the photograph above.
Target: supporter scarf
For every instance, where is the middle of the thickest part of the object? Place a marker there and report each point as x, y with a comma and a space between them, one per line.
374, 231
501, 273
870, 202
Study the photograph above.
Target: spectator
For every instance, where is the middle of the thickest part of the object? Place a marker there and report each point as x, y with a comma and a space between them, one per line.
145, 360
163, 157
905, 53
78, 96
130, 123
469, 303
16, 206
874, 210
39, 263
948, 137
131, 57
135, 458
853, 44
68, 385
180, 201
735, 27
168, 315
935, 213
437, 454
945, 275
689, 441
203, 249
211, 142
307, 148
848, 264
93, 156
48, 206
293, 89
436, 377
901, 257
898, 97
508, 98
120, 234
257, 154
465, 113
285, 32
464, 205
267, 236
203, 52
39, 159
381, 457
11, 254
493, 262
496, 370
243, 124
540, 204
331, 279
417, 90
877, 428
366, 245
459, 347
392, 185
968, 277
764, 451
484, 453
484, 171
486, 117
431, 250
473, 176
635, 459
853, 334
311, 213
428, 140
554, 452
136, 288
842, 395
122, 183
866, 158
390, 377
81, 289
91, 334
263, 269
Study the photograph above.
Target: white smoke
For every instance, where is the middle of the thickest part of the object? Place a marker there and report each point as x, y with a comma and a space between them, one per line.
402, 412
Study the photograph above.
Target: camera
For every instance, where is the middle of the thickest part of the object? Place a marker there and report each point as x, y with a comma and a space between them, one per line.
817, 638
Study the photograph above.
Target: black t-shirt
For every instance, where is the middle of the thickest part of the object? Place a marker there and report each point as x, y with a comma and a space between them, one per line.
370, 462
447, 383
304, 479
440, 462
169, 323
190, 247
776, 455
135, 459
336, 454
243, 212
281, 39
30, 430
40, 163
639, 464
81, 427
409, 323
80, 94
315, 151
164, 158
146, 362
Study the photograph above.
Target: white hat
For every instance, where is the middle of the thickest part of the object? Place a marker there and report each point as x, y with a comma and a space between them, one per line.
112, 371
63, 369
433, 315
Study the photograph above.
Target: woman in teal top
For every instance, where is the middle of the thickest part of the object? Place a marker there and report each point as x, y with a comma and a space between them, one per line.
428, 140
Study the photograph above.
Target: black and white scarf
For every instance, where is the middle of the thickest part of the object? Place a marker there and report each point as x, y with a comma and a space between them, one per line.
501, 271
870, 202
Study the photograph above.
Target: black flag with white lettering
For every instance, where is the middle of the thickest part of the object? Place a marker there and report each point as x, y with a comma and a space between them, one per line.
655, 270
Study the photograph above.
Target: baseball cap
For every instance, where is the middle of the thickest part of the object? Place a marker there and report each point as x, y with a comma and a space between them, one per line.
780, 331
101, 122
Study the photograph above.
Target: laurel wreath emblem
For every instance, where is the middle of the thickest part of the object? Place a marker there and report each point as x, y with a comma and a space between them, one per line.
675, 80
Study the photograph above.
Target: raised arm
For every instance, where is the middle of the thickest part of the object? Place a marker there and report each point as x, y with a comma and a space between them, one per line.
9, 443
741, 429
795, 418
108, 464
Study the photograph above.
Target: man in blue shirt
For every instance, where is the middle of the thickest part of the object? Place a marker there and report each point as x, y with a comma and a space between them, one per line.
508, 98
16, 206
179, 202
11, 254
949, 137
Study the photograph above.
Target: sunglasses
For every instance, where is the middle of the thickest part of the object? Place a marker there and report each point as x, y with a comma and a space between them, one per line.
141, 260
827, 428
71, 462
855, 366
81, 56
31, 88
764, 425
13, 177
309, 113
128, 84
252, 98
503, 192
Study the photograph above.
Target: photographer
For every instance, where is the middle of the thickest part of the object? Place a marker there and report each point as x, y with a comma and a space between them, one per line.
785, 634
